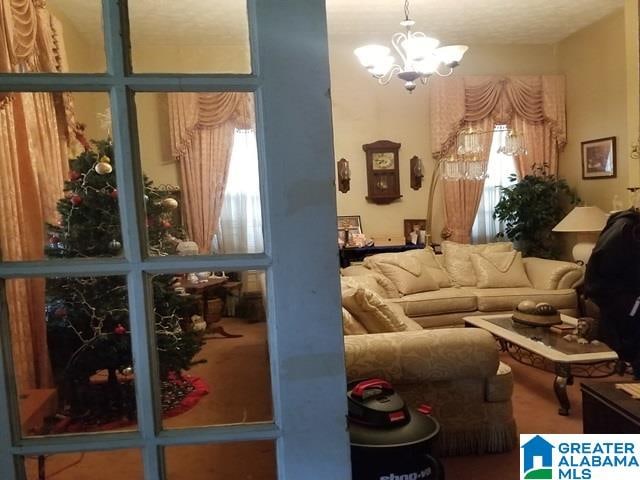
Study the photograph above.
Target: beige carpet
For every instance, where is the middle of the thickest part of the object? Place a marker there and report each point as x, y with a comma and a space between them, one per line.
237, 372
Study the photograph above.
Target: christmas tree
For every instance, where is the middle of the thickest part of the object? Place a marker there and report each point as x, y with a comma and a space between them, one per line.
87, 317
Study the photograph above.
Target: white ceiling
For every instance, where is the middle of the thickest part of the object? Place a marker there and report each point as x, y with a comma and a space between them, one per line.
188, 22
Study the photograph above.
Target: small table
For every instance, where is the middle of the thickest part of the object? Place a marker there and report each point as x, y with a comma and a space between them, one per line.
605, 409
212, 288
535, 345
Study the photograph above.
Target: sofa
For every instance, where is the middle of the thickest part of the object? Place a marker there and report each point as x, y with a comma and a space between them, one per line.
401, 318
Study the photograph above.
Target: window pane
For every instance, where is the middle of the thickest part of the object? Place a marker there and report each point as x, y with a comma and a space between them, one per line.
240, 461
200, 159
120, 464
211, 336
59, 187
57, 36
72, 359
189, 36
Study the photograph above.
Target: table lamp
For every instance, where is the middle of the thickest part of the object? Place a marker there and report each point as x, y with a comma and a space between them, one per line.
586, 222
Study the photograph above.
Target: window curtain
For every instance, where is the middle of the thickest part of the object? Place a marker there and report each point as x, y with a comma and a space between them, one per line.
36, 131
500, 167
202, 134
533, 105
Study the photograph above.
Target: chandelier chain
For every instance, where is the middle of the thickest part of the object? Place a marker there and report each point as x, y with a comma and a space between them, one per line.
406, 9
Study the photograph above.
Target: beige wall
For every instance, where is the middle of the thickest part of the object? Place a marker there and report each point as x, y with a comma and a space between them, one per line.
633, 85
364, 111
594, 62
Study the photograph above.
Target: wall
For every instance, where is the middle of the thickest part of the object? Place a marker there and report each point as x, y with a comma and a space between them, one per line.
364, 111
633, 84
594, 62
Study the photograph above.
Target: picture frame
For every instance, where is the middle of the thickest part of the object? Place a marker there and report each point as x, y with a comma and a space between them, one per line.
352, 223
409, 224
599, 158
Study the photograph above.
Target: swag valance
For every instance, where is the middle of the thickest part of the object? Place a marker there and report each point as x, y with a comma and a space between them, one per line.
534, 103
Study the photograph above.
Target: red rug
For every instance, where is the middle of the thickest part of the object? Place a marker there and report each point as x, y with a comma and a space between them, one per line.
179, 395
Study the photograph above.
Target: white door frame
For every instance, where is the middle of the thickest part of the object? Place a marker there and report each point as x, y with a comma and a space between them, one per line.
290, 80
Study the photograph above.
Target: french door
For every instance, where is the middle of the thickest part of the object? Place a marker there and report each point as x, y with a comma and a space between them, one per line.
289, 83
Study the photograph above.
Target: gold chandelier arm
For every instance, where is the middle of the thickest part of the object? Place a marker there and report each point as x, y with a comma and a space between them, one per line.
386, 78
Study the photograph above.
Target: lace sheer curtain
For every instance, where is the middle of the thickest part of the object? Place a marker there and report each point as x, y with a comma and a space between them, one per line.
500, 167
240, 226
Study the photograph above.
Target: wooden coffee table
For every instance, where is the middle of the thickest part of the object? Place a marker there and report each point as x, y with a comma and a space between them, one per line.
539, 347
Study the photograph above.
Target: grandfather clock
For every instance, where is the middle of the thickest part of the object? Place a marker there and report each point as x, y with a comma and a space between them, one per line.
383, 177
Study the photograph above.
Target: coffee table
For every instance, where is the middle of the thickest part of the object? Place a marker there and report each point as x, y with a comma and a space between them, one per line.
539, 347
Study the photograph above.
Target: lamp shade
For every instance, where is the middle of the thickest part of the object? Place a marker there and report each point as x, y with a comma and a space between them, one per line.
582, 219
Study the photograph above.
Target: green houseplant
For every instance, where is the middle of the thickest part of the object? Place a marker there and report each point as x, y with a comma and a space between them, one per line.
531, 207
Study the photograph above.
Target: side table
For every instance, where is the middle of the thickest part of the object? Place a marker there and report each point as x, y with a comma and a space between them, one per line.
605, 409
214, 287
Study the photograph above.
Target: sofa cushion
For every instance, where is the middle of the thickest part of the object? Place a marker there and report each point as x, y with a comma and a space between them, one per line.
407, 274
458, 263
359, 270
371, 311
499, 270
506, 299
351, 326
411, 324
445, 300
426, 257
364, 281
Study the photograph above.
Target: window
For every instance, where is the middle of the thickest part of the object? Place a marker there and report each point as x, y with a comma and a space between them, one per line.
500, 168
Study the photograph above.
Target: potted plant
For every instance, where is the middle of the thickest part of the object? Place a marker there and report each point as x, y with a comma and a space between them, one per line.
531, 207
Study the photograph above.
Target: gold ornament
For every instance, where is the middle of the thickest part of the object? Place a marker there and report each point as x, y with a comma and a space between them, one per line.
170, 203
103, 168
104, 159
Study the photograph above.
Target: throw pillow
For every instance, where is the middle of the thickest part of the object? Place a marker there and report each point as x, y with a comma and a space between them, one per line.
412, 325
372, 312
368, 269
427, 258
407, 274
350, 326
458, 263
499, 270
365, 281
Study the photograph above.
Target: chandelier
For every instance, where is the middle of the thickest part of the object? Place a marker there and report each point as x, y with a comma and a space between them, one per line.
421, 57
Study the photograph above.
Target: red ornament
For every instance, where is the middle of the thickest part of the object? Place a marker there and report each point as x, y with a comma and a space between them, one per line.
119, 330
73, 175
166, 224
76, 199
60, 312
54, 239
114, 194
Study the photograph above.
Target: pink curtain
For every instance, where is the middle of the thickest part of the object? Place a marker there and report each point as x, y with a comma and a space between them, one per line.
462, 197
35, 131
202, 131
532, 105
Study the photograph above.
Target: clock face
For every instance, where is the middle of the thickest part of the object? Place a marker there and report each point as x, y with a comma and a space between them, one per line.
383, 160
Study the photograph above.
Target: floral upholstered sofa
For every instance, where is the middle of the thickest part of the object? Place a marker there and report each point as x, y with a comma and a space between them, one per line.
391, 305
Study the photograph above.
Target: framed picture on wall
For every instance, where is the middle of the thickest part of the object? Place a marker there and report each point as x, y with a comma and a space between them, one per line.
599, 158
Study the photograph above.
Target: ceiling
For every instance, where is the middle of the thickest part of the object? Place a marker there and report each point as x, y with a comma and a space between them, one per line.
187, 22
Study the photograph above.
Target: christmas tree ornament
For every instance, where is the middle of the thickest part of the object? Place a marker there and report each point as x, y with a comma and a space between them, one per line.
166, 224
76, 199
104, 159
114, 193
103, 168
170, 203
54, 239
115, 246
127, 372
146, 198
60, 312
74, 175
120, 330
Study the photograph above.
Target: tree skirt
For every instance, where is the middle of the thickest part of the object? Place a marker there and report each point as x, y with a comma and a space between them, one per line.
179, 395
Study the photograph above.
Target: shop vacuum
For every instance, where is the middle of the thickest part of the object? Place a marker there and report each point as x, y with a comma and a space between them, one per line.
390, 441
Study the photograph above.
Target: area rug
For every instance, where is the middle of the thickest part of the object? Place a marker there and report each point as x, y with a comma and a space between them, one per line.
179, 395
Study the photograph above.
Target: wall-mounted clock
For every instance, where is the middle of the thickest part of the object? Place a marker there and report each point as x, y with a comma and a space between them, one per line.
383, 177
